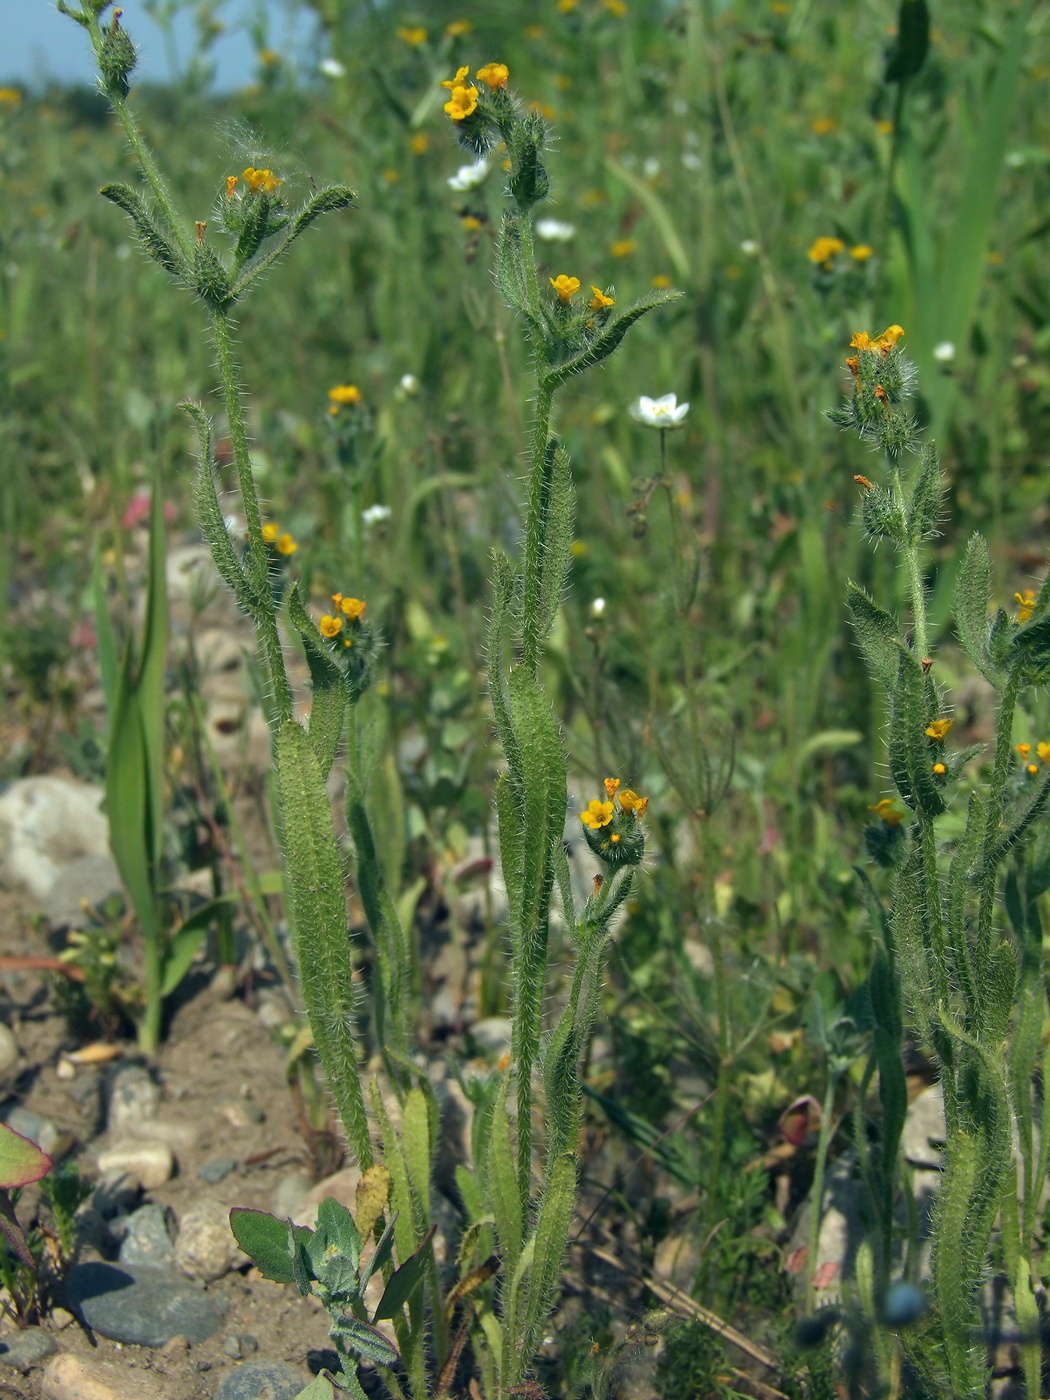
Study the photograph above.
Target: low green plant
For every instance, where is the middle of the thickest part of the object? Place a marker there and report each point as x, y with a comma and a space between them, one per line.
21, 1163
959, 948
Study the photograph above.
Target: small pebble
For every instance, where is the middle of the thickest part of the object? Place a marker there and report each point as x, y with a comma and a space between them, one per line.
176, 1346
69, 1377
241, 1113
239, 1345
8, 1049
206, 1248
150, 1237
27, 1348
217, 1169
262, 1380
60, 1319
151, 1162
133, 1097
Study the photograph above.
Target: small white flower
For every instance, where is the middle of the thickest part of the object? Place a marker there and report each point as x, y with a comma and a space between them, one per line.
944, 351
597, 607
749, 248
409, 385
650, 167
375, 514
660, 413
469, 177
332, 68
692, 160
554, 230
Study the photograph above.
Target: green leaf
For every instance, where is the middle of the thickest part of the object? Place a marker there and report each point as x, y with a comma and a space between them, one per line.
551, 1240
877, 633
505, 1199
972, 588
209, 512
405, 1280
339, 1228
382, 1252
418, 1136
182, 949
1031, 649
264, 1239
927, 498
21, 1161
604, 344
328, 711
659, 213
108, 661
156, 244
556, 534
320, 1388
325, 201
910, 753
908, 53
365, 1339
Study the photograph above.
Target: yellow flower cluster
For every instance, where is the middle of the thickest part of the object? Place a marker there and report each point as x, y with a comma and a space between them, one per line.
282, 542
1042, 753
599, 814
343, 396
413, 35
258, 181
331, 624
463, 96
877, 344
823, 250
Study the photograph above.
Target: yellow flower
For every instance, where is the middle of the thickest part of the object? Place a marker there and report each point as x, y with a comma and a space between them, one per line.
1025, 604
345, 394
631, 802
231, 185
330, 626
597, 815
286, 545
533, 31
884, 128
610, 785
268, 58
862, 252
261, 181
270, 533
937, 729
1043, 750
493, 75
885, 809
413, 34
354, 608
462, 103
878, 344
1032, 768
470, 222
823, 126
9, 97
623, 247
615, 7
458, 27
600, 301
391, 176
661, 280
419, 143
1023, 749
566, 7
457, 81
823, 250
939, 769
566, 287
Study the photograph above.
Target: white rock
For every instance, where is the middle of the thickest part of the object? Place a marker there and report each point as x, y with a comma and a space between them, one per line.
206, 1248
924, 1126
134, 1098
151, 1162
54, 845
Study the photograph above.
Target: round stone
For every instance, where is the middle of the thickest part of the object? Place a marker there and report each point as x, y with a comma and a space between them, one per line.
141, 1304
262, 1380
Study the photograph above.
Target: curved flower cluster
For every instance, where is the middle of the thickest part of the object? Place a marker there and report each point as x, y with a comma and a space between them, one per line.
463, 96
613, 827
347, 614
1042, 751
276, 539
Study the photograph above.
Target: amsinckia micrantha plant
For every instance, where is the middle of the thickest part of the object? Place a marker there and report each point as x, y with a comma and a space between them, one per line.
971, 980
567, 333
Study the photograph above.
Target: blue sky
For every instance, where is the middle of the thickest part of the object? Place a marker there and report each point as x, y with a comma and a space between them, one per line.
39, 43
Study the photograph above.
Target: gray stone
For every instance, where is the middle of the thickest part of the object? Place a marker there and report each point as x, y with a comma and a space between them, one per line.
117, 1193
134, 1098
239, 1345
206, 1247
54, 845
492, 1035
54, 1141
150, 1237
289, 1194
924, 1126
8, 1050
217, 1169
142, 1305
262, 1380
27, 1348
151, 1162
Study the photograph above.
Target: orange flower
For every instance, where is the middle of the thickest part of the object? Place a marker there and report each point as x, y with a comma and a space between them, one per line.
631, 802
611, 784
354, 608
566, 287
597, 815
493, 75
937, 729
600, 301
330, 626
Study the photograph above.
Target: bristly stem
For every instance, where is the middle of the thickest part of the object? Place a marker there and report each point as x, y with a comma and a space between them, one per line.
532, 568
264, 615
916, 588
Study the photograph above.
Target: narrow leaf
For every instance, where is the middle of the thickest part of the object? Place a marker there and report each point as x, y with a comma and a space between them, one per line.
404, 1281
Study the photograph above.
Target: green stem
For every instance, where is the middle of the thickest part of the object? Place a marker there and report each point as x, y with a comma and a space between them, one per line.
531, 568
914, 572
264, 614
1004, 727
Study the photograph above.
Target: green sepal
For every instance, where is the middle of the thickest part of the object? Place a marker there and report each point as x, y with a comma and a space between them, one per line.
603, 345
877, 633
882, 516
972, 587
527, 139
927, 498
210, 279
155, 243
328, 712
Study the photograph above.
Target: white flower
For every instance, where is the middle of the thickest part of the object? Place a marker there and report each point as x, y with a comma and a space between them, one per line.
749, 248
944, 351
597, 607
660, 413
375, 514
409, 385
650, 167
692, 160
469, 177
554, 230
332, 68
